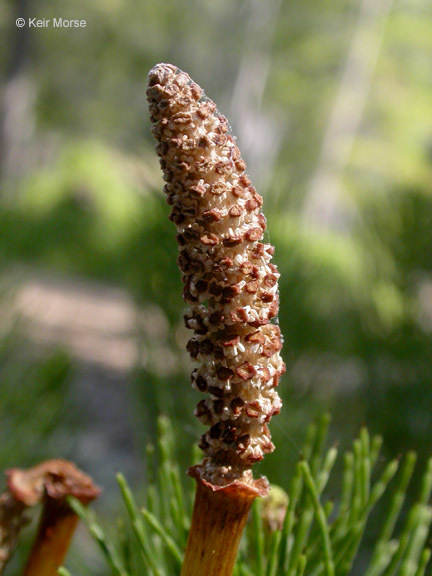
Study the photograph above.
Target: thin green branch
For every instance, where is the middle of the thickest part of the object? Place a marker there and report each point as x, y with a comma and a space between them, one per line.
159, 529
321, 519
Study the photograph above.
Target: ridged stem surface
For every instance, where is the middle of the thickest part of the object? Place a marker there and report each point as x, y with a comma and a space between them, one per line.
218, 520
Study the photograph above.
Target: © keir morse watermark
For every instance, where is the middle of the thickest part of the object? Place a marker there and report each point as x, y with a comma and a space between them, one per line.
50, 23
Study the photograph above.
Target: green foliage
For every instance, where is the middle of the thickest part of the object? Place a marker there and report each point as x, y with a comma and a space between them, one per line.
35, 412
317, 535
152, 539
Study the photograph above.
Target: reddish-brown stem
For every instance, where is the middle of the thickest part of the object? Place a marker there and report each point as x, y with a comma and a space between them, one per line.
218, 519
56, 528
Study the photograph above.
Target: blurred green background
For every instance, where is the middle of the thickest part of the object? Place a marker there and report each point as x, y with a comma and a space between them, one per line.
332, 106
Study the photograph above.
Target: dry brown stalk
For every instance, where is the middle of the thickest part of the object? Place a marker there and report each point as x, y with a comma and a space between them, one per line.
231, 287
48, 483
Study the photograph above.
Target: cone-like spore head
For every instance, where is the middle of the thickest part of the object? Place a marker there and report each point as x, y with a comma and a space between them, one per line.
230, 284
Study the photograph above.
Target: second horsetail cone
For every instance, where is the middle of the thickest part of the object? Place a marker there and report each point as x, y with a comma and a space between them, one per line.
230, 283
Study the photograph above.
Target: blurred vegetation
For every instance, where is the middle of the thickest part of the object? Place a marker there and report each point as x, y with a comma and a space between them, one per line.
35, 410
332, 108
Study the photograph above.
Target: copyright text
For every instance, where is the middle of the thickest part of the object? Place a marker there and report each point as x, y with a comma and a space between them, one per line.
50, 23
